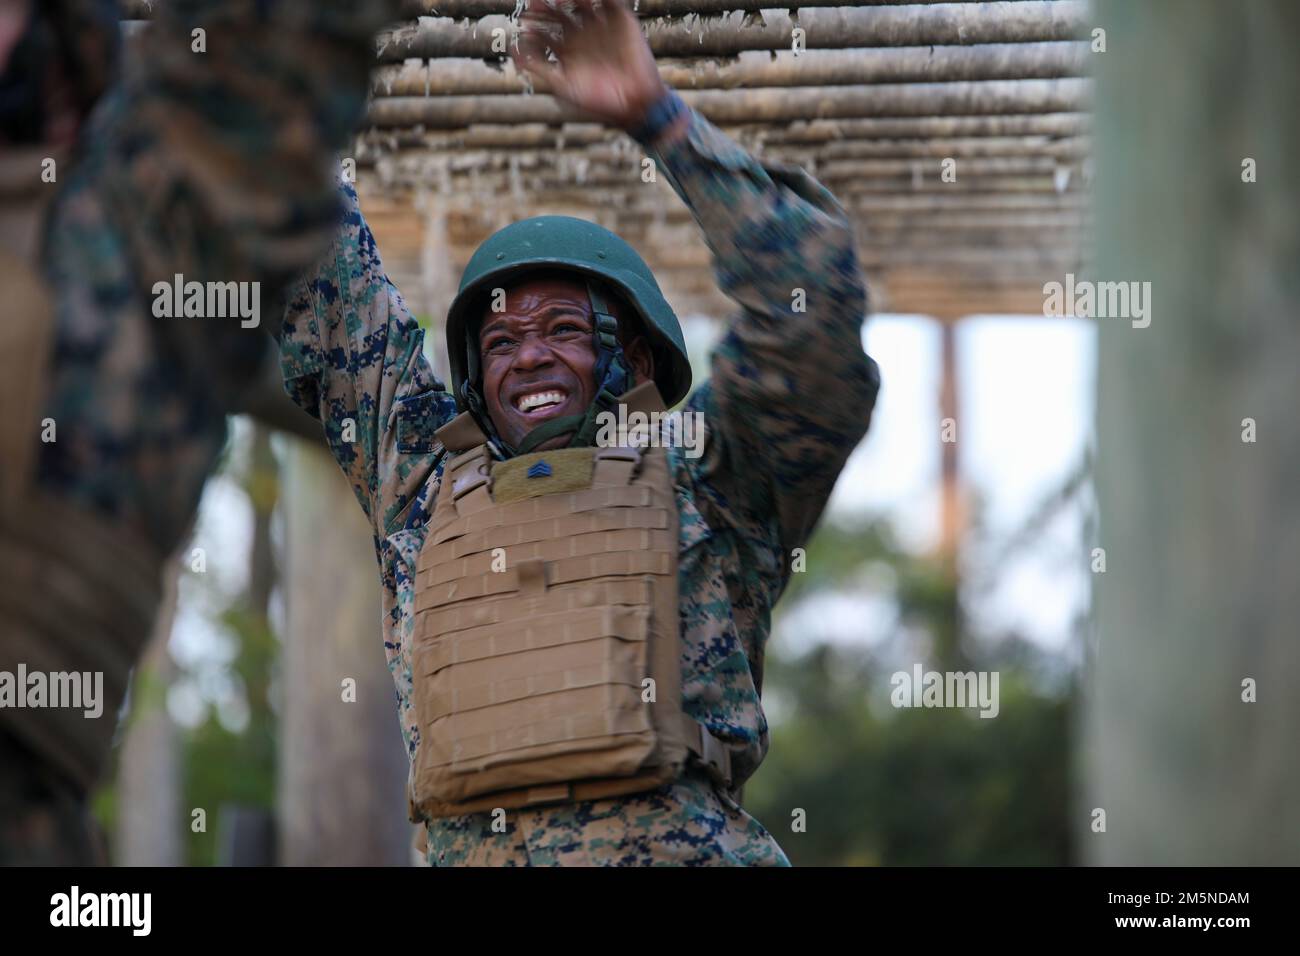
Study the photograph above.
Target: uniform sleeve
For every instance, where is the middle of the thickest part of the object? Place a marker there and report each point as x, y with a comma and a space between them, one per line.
210, 159
225, 132
791, 390
352, 356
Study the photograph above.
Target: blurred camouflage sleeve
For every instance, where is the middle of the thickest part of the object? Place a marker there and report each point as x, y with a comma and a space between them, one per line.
226, 132
791, 390
352, 355
218, 166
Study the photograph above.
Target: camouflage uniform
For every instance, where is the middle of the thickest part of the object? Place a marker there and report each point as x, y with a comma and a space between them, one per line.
774, 447
217, 165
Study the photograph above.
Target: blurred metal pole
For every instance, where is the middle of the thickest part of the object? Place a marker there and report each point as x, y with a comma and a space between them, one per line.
952, 503
1201, 528
342, 793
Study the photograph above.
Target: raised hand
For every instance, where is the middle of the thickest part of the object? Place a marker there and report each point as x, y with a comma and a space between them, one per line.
602, 62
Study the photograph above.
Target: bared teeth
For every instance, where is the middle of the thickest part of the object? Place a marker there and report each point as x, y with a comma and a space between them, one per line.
538, 399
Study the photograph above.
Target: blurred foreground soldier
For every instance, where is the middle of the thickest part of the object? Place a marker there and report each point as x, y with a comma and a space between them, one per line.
574, 617
209, 163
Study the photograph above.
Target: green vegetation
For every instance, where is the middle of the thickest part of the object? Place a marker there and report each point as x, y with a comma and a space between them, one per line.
880, 786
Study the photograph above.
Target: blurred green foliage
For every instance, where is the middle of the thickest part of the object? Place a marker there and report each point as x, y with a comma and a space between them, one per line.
880, 786
224, 767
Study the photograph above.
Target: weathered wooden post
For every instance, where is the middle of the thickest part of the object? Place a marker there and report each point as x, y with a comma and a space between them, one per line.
1192, 719
342, 793
150, 818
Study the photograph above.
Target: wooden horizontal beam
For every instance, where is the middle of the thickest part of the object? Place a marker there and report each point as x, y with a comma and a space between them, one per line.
974, 202
1012, 298
539, 134
850, 185
1051, 263
643, 8
461, 9
970, 148
1003, 61
926, 152
943, 280
660, 204
628, 163
758, 106
931, 127
939, 24
486, 176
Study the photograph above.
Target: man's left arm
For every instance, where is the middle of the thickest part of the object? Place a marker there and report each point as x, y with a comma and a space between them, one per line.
791, 391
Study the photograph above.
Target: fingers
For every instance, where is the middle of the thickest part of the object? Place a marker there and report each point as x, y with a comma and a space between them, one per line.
530, 55
559, 11
567, 13
542, 26
538, 30
572, 11
577, 11
590, 9
570, 29
595, 10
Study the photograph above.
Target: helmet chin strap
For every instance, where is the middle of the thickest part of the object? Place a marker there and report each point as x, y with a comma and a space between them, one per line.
612, 375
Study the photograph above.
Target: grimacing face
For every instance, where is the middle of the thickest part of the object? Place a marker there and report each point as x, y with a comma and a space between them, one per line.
538, 357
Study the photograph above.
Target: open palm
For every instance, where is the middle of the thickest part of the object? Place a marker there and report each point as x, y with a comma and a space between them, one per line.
603, 64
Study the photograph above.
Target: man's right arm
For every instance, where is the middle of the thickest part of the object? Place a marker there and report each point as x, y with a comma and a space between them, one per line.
352, 356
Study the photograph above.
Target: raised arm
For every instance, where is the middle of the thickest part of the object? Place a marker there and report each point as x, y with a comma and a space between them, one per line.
352, 356
791, 391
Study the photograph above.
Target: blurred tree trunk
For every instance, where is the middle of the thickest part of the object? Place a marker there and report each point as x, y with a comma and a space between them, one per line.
246, 833
149, 823
1201, 529
262, 484
342, 795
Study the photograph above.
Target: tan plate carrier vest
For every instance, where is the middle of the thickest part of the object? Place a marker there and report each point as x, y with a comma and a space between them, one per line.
545, 597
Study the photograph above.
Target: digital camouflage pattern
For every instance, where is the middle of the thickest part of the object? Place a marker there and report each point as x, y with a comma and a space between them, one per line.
775, 444
217, 165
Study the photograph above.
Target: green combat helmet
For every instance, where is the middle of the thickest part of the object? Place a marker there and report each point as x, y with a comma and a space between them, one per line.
565, 244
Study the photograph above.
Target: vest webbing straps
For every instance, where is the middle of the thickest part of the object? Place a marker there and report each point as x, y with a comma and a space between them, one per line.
709, 752
460, 434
